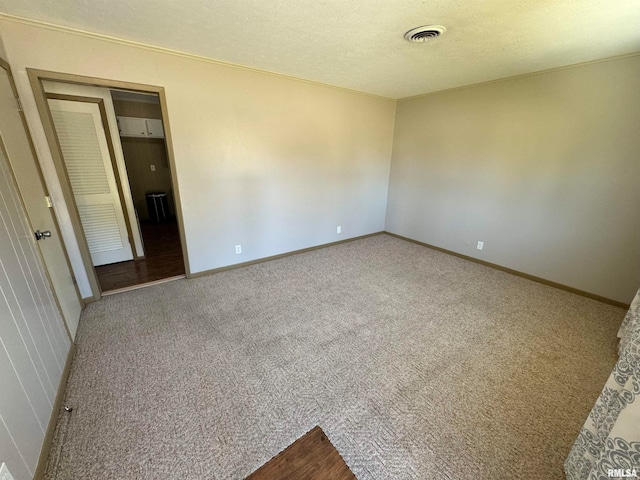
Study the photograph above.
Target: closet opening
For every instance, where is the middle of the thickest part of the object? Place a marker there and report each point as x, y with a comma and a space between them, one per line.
112, 151
139, 119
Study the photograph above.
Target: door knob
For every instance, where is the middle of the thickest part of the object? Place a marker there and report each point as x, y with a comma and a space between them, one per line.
40, 235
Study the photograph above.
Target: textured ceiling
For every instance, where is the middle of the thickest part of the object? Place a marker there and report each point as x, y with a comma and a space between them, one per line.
358, 44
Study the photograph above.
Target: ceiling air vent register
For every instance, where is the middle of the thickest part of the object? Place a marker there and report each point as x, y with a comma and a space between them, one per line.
424, 34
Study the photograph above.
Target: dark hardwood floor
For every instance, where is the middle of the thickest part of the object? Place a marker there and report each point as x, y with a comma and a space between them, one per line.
163, 259
311, 457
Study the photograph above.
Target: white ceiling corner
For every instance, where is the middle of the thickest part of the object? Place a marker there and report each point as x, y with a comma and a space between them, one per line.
359, 44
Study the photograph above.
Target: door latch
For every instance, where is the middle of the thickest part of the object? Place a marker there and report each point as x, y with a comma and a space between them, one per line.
40, 235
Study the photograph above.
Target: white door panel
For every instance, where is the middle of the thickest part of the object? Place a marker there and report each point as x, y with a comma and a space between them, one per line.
21, 309
11, 455
27, 175
90, 170
33, 340
15, 327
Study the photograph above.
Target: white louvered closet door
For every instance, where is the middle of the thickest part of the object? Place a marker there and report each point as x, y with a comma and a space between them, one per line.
86, 156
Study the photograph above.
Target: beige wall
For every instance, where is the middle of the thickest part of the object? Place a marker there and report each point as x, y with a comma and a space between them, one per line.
271, 163
544, 169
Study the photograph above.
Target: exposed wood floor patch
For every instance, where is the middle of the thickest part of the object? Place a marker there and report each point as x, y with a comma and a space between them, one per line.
311, 457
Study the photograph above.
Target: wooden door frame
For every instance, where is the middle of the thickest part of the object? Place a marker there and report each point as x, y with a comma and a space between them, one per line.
36, 78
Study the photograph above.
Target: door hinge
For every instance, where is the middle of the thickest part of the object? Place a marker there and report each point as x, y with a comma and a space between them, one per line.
47, 199
19, 103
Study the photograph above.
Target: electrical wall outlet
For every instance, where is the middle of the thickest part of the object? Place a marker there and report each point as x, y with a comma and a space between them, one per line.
5, 474
338, 229
153, 168
238, 249
480, 245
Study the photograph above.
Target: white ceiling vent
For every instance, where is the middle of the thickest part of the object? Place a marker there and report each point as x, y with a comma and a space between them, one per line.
425, 33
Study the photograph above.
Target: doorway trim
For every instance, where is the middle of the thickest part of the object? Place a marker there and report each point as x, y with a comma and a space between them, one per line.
36, 78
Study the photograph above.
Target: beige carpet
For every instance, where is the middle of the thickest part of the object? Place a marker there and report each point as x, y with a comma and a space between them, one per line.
417, 364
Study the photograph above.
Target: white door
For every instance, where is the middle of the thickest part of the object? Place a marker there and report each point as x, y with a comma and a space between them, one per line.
82, 139
28, 177
33, 340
